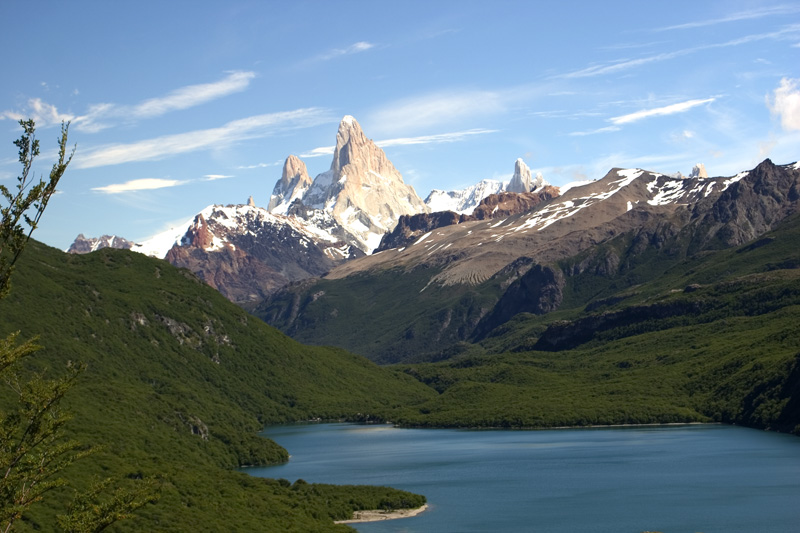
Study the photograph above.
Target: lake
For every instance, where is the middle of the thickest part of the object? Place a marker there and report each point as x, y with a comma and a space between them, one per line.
706, 478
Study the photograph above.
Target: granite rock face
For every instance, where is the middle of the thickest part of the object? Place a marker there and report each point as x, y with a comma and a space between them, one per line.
363, 191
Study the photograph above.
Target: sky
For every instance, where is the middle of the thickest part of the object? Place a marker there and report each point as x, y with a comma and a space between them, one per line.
174, 106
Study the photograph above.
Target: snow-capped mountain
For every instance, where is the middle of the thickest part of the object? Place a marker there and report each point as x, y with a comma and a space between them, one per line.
362, 191
246, 252
309, 226
464, 201
84, 245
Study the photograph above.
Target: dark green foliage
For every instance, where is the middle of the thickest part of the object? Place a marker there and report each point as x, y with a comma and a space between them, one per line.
177, 385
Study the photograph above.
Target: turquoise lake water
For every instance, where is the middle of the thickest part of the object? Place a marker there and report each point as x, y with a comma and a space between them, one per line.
699, 478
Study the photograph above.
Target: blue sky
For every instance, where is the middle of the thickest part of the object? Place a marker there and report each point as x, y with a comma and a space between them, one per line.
177, 105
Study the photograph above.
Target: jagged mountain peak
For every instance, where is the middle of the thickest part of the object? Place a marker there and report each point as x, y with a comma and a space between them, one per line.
293, 184
363, 191
699, 171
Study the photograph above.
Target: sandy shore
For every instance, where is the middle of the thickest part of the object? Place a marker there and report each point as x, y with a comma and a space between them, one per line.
377, 515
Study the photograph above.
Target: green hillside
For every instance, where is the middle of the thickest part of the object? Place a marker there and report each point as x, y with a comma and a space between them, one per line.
178, 383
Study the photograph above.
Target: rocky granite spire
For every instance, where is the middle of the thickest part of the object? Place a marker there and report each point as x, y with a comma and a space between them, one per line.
363, 190
293, 184
522, 180
699, 171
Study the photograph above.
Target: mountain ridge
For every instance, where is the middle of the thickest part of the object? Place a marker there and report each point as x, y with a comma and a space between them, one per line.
467, 267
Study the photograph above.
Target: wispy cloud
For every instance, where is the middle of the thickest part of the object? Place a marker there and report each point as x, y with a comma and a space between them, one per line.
145, 184
791, 31
735, 17
785, 103
439, 108
104, 115
659, 111
623, 64
318, 152
214, 177
259, 165
434, 139
170, 145
439, 138
355, 48
606, 129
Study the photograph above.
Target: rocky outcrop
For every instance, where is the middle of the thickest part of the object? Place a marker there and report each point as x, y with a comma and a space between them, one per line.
506, 204
409, 228
753, 203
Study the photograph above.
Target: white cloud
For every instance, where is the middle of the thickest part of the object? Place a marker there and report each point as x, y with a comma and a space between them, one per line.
214, 177
42, 113
169, 145
318, 152
659, 111
144, 184
785, 103
101, 116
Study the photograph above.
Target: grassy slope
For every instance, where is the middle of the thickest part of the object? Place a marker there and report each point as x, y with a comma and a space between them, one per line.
730, 353
178, 383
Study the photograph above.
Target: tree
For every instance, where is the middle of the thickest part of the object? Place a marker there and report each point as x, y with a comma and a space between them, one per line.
14, 235
34, 449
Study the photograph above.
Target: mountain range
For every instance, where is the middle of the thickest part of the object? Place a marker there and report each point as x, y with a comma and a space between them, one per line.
310, 225
356, 245
449, 279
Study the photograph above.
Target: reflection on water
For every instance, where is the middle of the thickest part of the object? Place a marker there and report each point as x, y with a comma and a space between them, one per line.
666, 478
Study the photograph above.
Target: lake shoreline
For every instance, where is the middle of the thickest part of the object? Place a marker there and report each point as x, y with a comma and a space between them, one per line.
378, 515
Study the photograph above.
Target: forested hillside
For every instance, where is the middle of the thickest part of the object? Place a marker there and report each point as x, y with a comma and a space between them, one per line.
178, 383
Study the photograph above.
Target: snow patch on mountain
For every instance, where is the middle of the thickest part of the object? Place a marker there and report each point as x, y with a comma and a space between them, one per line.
158, 245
